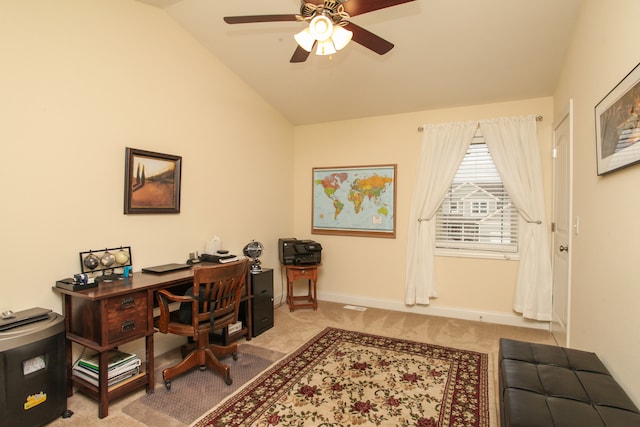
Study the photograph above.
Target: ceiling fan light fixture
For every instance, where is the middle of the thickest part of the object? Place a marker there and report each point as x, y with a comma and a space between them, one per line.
325, 47
305, 40
341, 37
321, 27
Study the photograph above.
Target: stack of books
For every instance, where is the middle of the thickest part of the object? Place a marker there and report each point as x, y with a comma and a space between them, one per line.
121, 366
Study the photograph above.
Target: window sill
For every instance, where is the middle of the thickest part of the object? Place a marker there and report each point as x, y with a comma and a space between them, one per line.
507, 256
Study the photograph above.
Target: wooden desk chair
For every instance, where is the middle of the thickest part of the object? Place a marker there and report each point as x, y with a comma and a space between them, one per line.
214, 305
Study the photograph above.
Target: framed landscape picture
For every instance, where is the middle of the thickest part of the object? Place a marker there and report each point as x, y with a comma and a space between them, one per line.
618, 125
151, 182
354, 201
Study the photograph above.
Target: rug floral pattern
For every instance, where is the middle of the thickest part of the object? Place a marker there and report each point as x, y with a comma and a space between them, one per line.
345, 378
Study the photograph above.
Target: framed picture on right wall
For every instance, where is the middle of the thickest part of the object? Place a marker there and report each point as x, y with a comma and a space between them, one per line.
618, 125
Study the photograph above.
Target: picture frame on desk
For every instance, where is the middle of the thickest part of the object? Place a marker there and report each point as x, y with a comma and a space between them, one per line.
151, 182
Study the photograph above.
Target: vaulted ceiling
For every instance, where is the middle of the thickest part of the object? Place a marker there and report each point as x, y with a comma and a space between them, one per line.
447, 53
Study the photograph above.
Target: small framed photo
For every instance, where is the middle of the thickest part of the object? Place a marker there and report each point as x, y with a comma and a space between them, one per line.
354, 201
151, 182
618, 125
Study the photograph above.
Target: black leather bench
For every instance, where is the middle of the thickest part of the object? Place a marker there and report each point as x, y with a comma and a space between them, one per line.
549, 386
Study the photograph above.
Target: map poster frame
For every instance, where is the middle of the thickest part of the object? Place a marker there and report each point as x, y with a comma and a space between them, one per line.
372, 214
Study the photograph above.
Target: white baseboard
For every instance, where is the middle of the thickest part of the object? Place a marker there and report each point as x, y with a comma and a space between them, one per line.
510, 319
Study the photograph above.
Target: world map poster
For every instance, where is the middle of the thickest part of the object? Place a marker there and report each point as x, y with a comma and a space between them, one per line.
355, 200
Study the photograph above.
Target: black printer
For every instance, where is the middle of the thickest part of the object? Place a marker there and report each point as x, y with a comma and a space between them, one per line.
299, 252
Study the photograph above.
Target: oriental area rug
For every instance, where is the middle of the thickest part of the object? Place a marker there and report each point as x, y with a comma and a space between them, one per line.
345, 378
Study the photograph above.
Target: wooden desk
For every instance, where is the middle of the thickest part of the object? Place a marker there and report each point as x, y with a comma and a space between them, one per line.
309, 272
115, 313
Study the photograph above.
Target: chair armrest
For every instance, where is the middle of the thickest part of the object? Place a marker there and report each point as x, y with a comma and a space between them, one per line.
173, 297
164, 297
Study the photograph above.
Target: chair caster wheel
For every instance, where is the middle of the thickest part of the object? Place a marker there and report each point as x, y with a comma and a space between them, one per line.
227, 379
167, 384
202, 368
235, 356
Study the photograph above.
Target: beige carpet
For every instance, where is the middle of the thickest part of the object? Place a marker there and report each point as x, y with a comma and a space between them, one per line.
195, 392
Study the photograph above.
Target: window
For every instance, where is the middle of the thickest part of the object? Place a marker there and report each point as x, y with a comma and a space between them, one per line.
476, 217
479, 208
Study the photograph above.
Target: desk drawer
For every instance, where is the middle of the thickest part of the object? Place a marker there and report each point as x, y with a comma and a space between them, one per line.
127, 325
126, 305
307, 273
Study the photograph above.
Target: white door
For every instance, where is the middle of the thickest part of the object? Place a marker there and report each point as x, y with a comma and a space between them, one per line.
562, 225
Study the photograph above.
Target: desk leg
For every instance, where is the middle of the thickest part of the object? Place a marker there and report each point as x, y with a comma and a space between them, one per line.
66, 300
315, 295
149, 364
290, 294
103, 384
148, 341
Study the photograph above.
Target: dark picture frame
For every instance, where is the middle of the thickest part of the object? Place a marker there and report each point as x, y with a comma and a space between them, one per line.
151, 182
618, 125
354, 200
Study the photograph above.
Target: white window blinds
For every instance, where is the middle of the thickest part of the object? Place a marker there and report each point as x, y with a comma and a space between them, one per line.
477, 215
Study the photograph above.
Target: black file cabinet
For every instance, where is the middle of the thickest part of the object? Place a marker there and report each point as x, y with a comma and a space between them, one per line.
262, 304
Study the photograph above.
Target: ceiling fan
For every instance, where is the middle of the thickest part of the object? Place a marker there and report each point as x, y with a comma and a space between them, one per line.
329, 29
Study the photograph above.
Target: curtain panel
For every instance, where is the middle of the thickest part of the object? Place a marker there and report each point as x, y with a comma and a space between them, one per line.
442, 151
514, 147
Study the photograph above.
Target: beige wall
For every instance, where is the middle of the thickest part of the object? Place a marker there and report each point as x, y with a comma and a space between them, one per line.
606, 291
83, 79
371, 271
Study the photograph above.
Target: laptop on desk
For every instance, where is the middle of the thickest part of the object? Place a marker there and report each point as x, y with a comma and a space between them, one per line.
165, 268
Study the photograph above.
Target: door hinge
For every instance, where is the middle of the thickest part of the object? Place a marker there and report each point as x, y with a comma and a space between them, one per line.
553, 227
554, 153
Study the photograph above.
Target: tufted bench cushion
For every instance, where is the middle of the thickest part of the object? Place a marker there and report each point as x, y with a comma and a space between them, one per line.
549, 386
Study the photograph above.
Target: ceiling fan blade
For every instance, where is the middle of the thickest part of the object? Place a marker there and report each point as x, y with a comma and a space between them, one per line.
300, 55
258, 18
369, 40
358, 7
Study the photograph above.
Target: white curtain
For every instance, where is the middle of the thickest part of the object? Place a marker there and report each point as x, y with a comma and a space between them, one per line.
513, 145
443, 148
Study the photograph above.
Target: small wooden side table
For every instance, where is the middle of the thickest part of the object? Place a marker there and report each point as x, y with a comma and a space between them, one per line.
309, 272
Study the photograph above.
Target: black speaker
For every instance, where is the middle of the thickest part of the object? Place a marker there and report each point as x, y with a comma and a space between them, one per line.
262, 303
